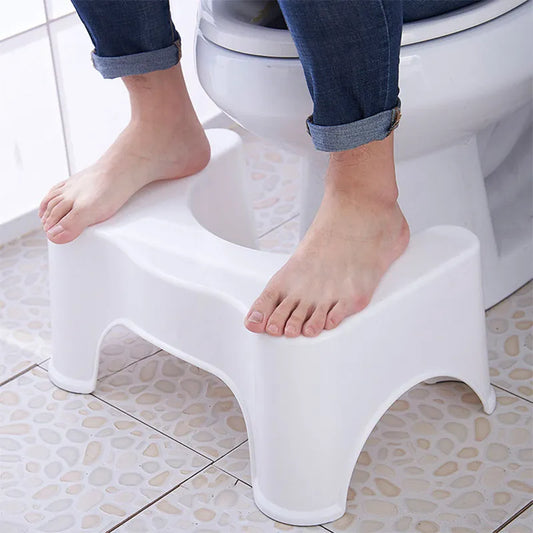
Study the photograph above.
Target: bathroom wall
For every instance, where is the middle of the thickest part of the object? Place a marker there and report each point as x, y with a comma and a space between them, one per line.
57, 114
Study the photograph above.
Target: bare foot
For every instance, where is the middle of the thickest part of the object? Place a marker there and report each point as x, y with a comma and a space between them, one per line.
357, 233
164, 140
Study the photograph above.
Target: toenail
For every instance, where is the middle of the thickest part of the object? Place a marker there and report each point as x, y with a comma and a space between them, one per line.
58, 228
290, 330
272, 328
256, 317
309, 330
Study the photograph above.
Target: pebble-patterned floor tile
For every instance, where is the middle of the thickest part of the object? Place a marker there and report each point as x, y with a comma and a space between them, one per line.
181, 400
275, 177
237, 463
510, 342
24, 304
121, 348
13, 360
435, 462
210, 502
71, 463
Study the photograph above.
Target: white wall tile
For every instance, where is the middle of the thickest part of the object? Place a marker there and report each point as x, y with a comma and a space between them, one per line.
58, 8
94, 110
20, 15
32, 153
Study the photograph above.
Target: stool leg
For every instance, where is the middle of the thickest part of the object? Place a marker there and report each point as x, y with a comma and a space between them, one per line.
302, 453
78, 314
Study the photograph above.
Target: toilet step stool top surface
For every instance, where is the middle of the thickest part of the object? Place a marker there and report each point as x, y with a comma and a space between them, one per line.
159, 228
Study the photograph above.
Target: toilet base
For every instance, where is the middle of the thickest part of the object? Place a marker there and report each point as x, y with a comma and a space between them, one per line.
309, 403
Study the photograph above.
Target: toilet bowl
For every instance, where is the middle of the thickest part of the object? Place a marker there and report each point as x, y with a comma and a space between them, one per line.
463, 147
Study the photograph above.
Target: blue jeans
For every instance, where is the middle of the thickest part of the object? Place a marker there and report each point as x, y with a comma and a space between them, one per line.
349, 51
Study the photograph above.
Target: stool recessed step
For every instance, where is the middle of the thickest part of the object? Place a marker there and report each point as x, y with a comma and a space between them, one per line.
178, 265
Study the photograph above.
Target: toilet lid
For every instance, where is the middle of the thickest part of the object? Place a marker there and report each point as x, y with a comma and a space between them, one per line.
235, 25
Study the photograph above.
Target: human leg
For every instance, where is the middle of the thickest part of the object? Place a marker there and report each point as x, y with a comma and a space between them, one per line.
163, 140
350, 53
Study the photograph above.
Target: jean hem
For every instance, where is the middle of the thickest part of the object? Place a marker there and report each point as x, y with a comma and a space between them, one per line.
347, 136
141, 63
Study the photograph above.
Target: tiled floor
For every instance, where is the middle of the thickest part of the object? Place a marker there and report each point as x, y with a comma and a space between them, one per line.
161, 445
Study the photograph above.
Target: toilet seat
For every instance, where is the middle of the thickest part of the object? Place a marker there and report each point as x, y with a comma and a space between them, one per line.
229, 24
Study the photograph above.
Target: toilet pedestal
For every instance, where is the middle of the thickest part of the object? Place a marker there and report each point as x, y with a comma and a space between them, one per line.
177, 266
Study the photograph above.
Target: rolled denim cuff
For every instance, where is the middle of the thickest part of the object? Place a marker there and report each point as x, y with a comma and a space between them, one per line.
141, 63
354, 134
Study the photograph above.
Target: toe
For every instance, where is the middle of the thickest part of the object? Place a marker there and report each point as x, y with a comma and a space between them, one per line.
69, 227
57, 213
316, 322
344, 308
54, 191
336, 315
46, 200
293, 327
278, 319
45, 219
261, 309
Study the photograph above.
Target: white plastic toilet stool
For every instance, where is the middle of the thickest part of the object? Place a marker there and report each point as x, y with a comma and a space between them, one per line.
309, 403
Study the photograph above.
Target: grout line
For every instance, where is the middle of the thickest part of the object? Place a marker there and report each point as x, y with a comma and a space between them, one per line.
144, 507
23, 32
152, 427
513, 517
230, 474
61, 17
58, 94
512, 393
228, 452
20, 374
131, 364
40, 365
42, 25
278, 226
175, 487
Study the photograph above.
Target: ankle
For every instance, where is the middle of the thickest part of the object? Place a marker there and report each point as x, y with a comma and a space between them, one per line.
160, 97
365, 174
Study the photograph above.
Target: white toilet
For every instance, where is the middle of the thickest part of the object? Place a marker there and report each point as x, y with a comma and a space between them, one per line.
464, 145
